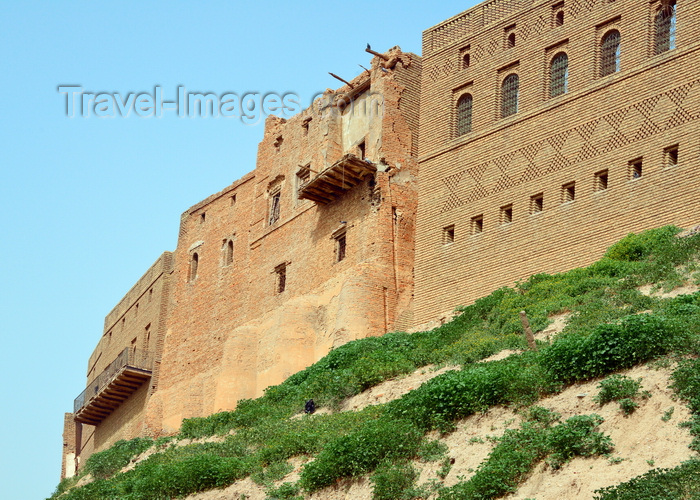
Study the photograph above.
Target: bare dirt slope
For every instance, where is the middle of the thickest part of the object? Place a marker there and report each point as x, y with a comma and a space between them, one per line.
643, 440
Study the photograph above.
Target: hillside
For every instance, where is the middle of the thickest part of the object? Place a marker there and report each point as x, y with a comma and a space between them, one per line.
607, 407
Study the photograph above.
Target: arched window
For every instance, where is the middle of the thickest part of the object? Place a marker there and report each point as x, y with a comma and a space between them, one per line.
559, 18
665, 28
229, 252
509, 95
466, 60
610, 53
559, 75
464, 114
194, 263
511, 40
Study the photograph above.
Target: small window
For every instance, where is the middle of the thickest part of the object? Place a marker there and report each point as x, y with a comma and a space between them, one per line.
507, 214
136, 309
464, 115
233, 200
600, 182
568, 192
478, 224
123, 323
305, 125
281, 278
150, 295
610, 53
202, 217
340, 246
559, 18
361, 148
511, 41
448, 235
466, 60
671, 156
303, 177
194, 264
228, 257
278, 142
509, 95
634, 168
559, 75
536, 203
274, 210
665, 28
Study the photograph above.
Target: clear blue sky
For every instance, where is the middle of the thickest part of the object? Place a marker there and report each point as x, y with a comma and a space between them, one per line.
89, 203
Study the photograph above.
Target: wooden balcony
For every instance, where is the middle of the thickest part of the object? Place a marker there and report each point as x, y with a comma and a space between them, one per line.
335, 180
113, 386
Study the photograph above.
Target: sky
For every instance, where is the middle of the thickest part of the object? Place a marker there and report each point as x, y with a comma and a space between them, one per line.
90, 201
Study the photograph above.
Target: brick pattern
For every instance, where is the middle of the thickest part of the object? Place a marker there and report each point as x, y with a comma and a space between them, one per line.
599, 124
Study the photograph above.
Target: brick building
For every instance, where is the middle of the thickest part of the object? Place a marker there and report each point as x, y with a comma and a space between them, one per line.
548, 130
312, 249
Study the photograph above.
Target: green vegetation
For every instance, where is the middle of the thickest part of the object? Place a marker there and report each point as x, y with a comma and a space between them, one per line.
658, 484
622, 389
605, 333
519, 450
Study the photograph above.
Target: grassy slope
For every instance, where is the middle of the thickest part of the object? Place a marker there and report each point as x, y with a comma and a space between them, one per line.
605, 334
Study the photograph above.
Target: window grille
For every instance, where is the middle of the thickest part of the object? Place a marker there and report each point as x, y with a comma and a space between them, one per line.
559, 75
464, 114
665, 29
340, 246
610, 54
509, 95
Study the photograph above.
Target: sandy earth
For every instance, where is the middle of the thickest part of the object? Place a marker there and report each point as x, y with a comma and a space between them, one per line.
642, 440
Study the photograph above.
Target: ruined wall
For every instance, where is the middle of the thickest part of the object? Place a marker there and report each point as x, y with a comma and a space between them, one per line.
234, 332
601, 127
68, 454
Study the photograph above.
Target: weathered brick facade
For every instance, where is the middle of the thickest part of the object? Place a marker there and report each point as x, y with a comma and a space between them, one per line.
493, 201
233, 328
529, 137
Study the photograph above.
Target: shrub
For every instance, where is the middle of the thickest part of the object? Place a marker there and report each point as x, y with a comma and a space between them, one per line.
608, 348
108, 462
617, 387
361, 452
658, 484
577, 437
395, 482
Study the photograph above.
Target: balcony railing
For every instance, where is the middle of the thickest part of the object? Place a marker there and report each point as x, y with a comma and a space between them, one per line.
113, 386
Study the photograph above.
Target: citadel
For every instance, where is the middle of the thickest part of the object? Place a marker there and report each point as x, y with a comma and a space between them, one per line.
528, 137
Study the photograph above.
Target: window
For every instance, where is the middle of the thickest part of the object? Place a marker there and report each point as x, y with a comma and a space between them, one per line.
278, 142
568, 192
147, 337
233, 200
466, 60
194, 264
511, 41
448, 235
340, 245
509, 95
559, 75
150, 295
559, 18
610, 53
634, 169
464, 115
303, 177
280, 278
136, 309
507, 214
228, 253
305, 125
600, 180
671, 156
478, 224
665, 28
274, 210
361, 148
202, 217
536, 203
